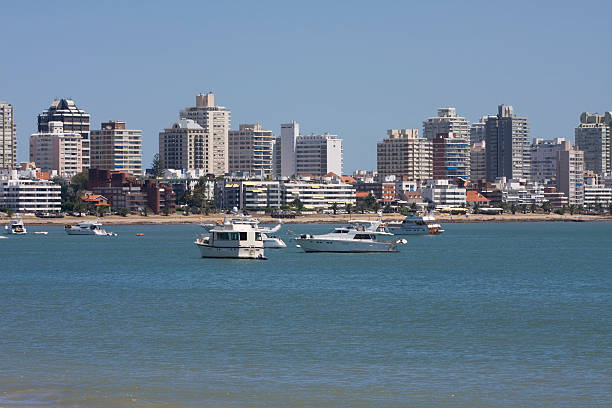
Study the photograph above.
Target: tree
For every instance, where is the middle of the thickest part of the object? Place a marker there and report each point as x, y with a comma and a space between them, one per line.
371, 202
80, 180
297, 204
532, 208
513, 209
349, 208
335, 207
572, 209
547, 206
156, 166
414, 206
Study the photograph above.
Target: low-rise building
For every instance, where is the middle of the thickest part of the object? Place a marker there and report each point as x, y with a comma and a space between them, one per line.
596, 195
443, 193
25, 194
125, 190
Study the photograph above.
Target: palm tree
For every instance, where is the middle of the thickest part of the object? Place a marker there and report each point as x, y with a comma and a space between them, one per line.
547, 206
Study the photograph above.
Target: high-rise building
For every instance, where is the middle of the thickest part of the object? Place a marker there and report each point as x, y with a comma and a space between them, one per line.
593, 137
312, 154
73, 119
451, 157
318, 155
478, 161
114, 147
570, 175
8, 136
251, 149
447, 121
405, 155
478, 130
57, 150
508, 147
287, 144
544, 158
185, 145
215, 120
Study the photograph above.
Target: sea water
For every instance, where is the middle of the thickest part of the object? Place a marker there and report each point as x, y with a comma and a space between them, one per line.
510, 315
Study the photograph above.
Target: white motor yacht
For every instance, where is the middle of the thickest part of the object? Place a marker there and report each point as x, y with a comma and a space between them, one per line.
270, 241
87, 228
416, 224
232, 240
346, 239
16, 227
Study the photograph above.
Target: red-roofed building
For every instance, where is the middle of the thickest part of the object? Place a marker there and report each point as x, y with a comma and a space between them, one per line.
347, 179
473, 197
95, 199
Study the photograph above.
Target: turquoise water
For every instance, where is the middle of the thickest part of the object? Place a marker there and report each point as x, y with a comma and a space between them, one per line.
508, 315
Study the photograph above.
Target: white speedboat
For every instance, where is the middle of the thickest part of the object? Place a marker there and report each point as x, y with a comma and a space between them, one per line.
16, 227
273, 242
87, 228
416, 224
230, 240
346, 239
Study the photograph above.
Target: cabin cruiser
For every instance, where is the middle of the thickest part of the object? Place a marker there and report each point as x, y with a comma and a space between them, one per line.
416, 224
232, 240
16, 227
347, 239
87, 228
270, 241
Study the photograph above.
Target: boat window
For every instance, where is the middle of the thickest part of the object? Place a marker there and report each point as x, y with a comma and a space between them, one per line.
258, 236
243, 236
222, 236
233, 236
363, 236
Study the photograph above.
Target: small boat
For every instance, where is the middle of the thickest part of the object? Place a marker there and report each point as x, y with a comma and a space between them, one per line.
87, 228
16, 227
416, 224
140, 234
41, 232
231, 240
270, 241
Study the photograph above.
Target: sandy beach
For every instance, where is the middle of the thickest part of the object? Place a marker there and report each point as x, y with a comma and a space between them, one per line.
309, 219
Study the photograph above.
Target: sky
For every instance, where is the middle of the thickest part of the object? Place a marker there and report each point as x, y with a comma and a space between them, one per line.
352, 68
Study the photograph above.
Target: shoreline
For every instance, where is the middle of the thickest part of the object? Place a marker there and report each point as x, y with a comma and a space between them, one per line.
310, 219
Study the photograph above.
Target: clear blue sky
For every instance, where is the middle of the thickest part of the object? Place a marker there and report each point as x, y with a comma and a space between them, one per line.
352, 68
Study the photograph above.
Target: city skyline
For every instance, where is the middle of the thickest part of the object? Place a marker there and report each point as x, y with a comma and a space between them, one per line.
361, 72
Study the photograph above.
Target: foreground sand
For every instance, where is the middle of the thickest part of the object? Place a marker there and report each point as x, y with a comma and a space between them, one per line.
308, 219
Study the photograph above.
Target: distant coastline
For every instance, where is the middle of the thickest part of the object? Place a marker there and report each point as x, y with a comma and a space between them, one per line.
312, 219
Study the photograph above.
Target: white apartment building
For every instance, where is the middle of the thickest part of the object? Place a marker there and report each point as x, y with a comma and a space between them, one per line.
447, 121
443, 193
28, 195
319, 195
215, 121
251, 149
405, 155
8, 136
594, 137
185, 145
312, 154
114, 147
318, 155
544, 158
57, 150
570, 175
520, 191
596, 194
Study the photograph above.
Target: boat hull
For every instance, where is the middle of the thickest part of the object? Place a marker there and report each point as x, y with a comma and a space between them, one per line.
86, 232
332, 245
208, 251
274, 243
